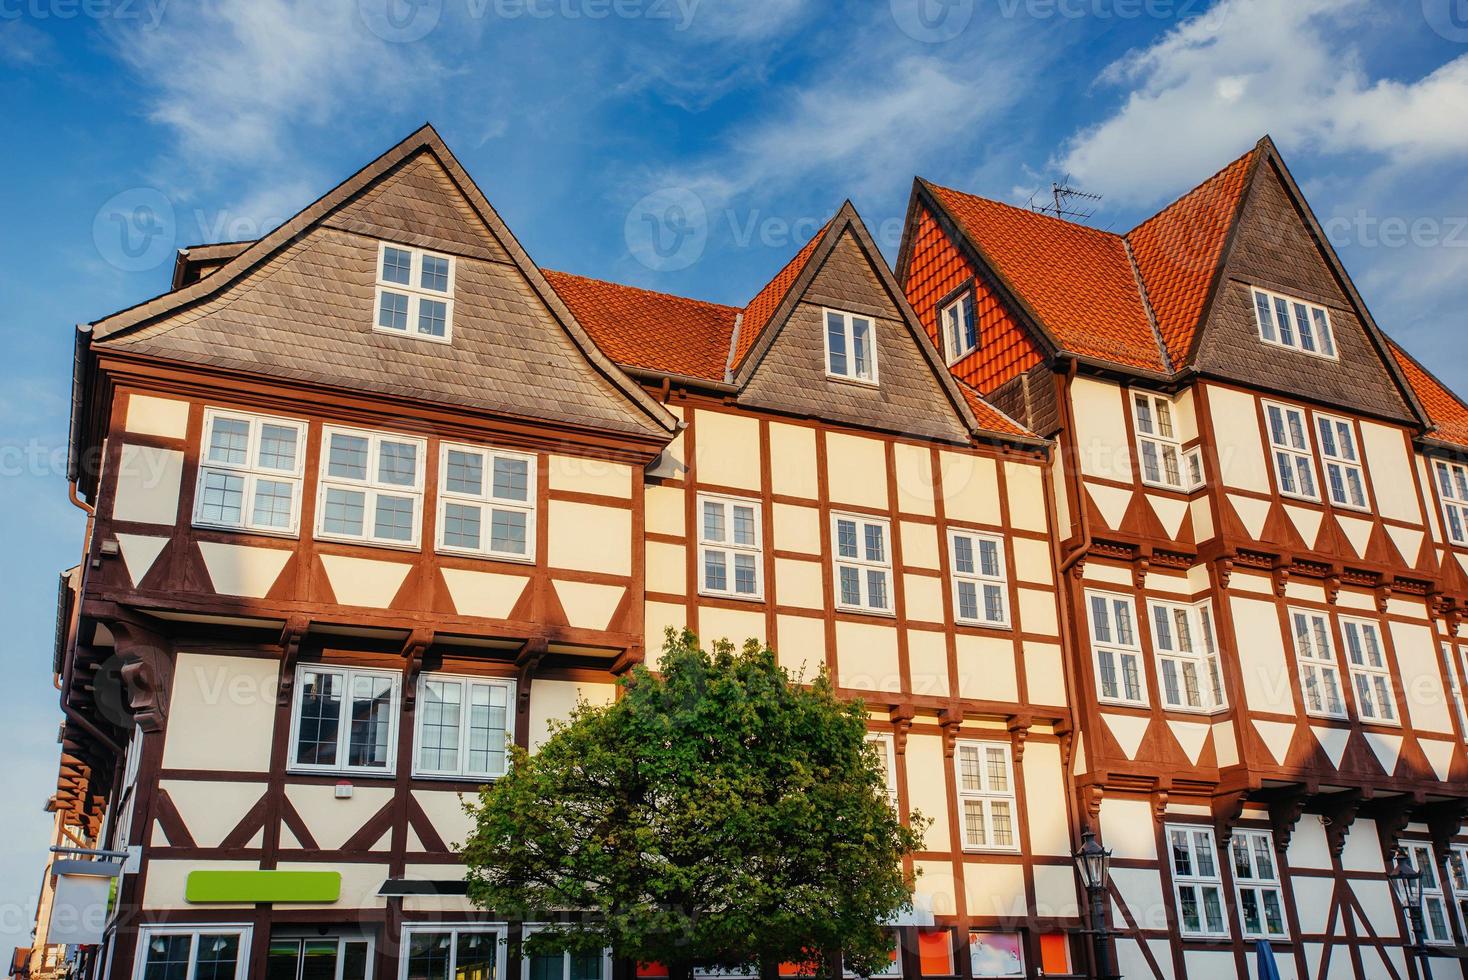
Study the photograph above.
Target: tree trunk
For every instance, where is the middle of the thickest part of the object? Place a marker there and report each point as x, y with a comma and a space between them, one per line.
769, 968
681, 970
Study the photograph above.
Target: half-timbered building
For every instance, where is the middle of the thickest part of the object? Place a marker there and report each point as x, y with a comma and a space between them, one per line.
373, 495
1260, 527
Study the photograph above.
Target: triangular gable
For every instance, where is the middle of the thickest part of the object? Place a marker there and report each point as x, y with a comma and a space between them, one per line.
784, 367
1278, 244
416, 190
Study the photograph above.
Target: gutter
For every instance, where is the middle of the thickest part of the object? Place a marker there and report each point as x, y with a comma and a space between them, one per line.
80, 348
1081, 550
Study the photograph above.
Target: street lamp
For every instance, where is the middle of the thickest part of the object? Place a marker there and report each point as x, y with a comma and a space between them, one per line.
1407, 888
1093, 864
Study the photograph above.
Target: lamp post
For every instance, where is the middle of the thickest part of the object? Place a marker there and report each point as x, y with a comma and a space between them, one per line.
1093, 864
1407, 888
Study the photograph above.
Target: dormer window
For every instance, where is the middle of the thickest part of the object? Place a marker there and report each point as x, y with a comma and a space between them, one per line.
851, 350
960, 330
415, 292
1294, 323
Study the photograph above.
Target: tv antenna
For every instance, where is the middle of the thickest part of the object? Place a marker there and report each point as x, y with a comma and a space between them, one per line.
1063, 197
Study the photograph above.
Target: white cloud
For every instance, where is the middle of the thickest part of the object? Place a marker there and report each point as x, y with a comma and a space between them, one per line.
1210, 87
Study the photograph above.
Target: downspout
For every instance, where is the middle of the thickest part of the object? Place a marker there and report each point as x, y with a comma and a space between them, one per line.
1084, 547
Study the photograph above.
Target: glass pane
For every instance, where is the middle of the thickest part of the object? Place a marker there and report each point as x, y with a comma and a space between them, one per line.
1100, 622
223, 498
547, 967
586, 966
487, 721
433, 317
1265, 317
877, 589
1322, 328
507, 532
876, 545
744, 525
973, 822
1213, 910
429, 954
989, 557
168, 958
273, 500
397, 463
475, 957
1182, 858
435, 273
1249, 905
1282, 320
218, 957
465, 473
283, 959
393, 518
968, 600
461, 525
320, 716
993, 604
347, 457
396, 265
354, 961
963, 554
744, 575
439, 729
230, 441
278, 447
850, 586
370, 720
1188, 899
997, 770
846, 539
393, 312
1003, 826
318, 960
1273, 913
345, 511
969, 774
861, 347
511, 478
713, 521
715, 570
836, 344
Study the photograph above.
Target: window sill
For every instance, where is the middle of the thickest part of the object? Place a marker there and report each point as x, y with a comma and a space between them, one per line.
1302, 498
447, 338
446, 777
843, 379
294, 535
992, 850
1116, 703
344, 774
734, 596
955, 358
864, 611
480, 556
981, 625
360, 543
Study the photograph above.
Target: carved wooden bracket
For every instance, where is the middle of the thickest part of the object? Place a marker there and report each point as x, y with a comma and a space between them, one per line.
1066, 733
1091, 797
1159, 803
1333, 586
1078, 570
414, 647
1281, 575
949, 719
290, 646
528, 660
902, 716
627, 659
146, 671
1391, 820
1445, 820
1225, 567
1019, 730
1383, 595
1338, 815
1140, 568
1284, 814
1227, 809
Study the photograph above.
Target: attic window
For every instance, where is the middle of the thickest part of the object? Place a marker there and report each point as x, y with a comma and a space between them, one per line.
415, 292
960, 332
851, 350
1294, 323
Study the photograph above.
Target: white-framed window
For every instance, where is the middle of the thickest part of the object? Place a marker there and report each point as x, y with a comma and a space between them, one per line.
1458, 879
996, 955
863, 563
1370, 676
886, 751
1159, 449
486, 502
1116, 648
345, 719
1345, 480
1452, 485
851, 346
181, 952
960, 327
250, 472
564, 966
463, 726
986, 796
463, 950
1187, 656
1197, 882
415, 292
1293, 323
730, 553
1320, 673
1453, 662
319, 958
1435, 926
371, 487
980, 585
1289, 441
1256, 880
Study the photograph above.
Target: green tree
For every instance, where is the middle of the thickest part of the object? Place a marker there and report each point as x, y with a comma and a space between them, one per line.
717, 814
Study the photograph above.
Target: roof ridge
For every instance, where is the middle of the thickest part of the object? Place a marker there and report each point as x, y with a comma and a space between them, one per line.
641, 289
1019, 210
1201, 185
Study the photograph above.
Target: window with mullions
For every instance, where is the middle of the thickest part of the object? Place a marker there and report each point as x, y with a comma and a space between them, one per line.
1458, 879
1294, 462
329, 958
1345, 480
1293, 323
1159, 448
1187, 656
486, 502
564, 966
1320, 674
415, 292
885, 749
1452, 486
986, 796
851, 350
729, 552
1453, 662
463, 726
371, 487
863, 564
250, 470
1197, 883
960, 329
193, 952
345, 720
1116, 648
1436, 928
1370, 676
1256, 879
980, 588
442, 952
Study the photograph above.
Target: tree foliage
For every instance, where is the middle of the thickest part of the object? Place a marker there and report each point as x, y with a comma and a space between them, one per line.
717, 814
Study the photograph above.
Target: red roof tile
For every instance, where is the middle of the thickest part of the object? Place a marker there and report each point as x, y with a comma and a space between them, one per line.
645, 329
757, 314
1077, 280
1445, 409
989, 417
1178, 250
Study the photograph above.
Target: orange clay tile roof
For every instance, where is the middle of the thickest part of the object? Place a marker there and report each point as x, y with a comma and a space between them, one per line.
989, 417
1178, 250
1445, 409
757, 314
641, 328
1077, 280
1083, 285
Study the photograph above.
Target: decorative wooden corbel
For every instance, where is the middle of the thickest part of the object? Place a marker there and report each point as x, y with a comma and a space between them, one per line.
1445, 821
146, 671
1338, 814
1225, 566
1384, 594
1227, 809
291, 635
627, 659
902, 716
1284, 814
950, 719
1091, 797
414, 647
1140, 566
528, 661
1333, 585
1065, 731
1391, 820
1280, 573
1019, 730
1159, 800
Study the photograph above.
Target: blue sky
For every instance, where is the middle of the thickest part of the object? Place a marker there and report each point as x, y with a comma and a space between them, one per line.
132, 127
